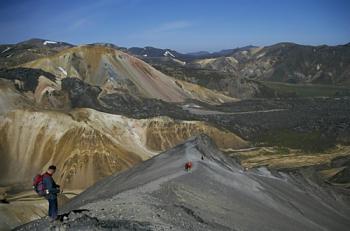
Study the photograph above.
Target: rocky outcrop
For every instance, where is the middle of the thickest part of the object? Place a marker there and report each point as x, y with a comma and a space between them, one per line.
26, 79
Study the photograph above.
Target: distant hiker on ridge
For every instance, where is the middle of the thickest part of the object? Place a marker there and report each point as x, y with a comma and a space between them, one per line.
51, 190
188, 166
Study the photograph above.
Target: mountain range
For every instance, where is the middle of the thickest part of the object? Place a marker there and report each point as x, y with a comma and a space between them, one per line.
125, 120
283, 62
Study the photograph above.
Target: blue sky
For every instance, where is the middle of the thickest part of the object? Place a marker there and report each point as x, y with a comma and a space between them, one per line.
184, 25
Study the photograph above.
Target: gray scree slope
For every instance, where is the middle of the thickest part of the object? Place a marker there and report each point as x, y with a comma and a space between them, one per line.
159, 194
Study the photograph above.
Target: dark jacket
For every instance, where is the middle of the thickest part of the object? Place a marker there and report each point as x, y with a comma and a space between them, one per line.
51, 186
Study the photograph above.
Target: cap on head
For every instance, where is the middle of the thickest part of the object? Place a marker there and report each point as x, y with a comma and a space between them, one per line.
52, 167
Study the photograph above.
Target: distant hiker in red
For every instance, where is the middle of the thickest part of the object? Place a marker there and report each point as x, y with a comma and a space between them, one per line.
51, 190
188, 166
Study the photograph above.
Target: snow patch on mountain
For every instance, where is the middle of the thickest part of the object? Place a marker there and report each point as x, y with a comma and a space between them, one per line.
7, 48
63, 71
231, 60
49, 42
179, 61
260, 55
168, 53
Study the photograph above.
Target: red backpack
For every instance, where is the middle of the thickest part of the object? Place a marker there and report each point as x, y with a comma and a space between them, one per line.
38, 184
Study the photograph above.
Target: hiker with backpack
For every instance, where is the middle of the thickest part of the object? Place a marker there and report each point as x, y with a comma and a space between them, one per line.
45, 186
